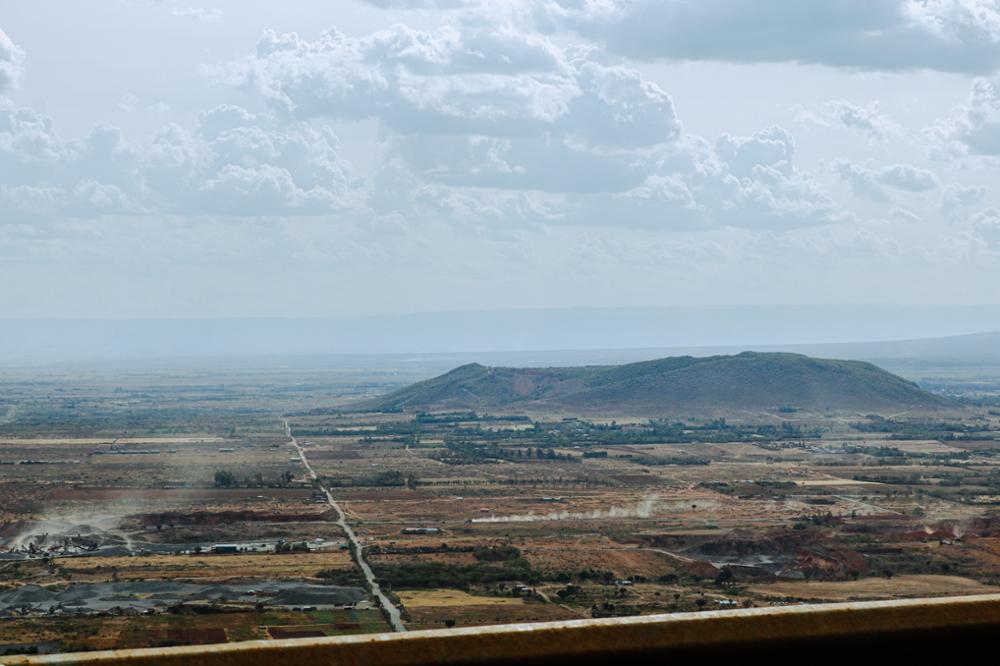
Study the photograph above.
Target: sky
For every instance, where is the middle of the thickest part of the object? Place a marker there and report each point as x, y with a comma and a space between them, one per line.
197, 158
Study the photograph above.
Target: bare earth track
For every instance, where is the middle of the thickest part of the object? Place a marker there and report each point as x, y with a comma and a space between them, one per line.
390, 608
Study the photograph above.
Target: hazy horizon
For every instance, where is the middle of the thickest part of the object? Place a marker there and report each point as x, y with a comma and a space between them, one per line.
27, 341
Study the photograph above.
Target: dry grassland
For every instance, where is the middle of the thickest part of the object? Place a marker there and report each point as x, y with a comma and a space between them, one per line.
452, 598
875, 588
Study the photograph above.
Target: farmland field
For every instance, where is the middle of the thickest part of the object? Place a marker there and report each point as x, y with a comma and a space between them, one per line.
140, 513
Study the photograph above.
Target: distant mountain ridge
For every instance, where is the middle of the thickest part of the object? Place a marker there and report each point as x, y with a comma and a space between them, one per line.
750, 381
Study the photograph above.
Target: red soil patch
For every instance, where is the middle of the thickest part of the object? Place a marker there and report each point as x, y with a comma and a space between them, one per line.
226, 517
287, 632
84, 493
197, 636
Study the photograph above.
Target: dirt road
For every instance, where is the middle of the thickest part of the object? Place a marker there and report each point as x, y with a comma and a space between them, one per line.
391, 610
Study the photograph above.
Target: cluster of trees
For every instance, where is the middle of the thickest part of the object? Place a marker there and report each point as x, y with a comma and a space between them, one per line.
608, 609
297, 547
460, 417
226, 479
463, 452
675, 460
916, 429
423, 550
760, 487
819, 520
671, 432
503, 553
349, 577
897, 454
892, 479
389, 477
598, 576
423, 575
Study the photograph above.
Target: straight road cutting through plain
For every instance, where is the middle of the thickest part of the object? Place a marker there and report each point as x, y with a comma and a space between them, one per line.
395, 619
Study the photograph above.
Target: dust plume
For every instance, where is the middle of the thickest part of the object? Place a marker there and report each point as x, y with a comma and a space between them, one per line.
644, 509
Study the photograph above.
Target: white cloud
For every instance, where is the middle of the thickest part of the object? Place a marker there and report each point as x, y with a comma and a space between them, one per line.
128, 102
183, 9
234, 163
955, 198
863, 182
904, 215
842, 114
27, 141
490, 119
11, 63
131, 103
423, 4
907, 177
684, 186
946, 35
46, 174
973, 129
986, 226
771, 148
872, 183
486, 80
90, 197
744, 181
498, 163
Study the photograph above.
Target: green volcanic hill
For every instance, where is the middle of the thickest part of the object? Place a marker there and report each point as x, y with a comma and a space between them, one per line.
749, 381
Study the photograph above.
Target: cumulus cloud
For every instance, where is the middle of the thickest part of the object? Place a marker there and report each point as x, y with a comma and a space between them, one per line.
986, 226
231, 163
955, 198
771, 148
973, 129
740, 181
946, 35
11, 63
479, 123
236, 163
423, 4
907, 177
500, 159
872, 184
595, 142
131, 103
33, 153
842, 114
686, 186
486, 80
186, 10
45, 173
128, 102
488, 119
